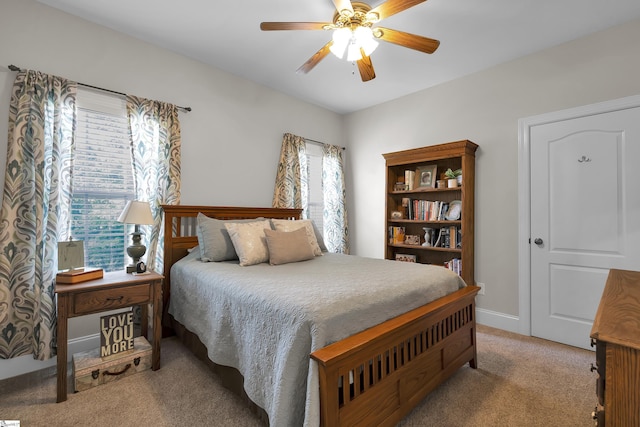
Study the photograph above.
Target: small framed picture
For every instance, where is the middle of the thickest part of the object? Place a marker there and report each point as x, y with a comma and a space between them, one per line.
411, 239
405, 258
426, 176
396, 215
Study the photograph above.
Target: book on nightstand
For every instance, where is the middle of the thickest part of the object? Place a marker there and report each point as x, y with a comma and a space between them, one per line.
79, 275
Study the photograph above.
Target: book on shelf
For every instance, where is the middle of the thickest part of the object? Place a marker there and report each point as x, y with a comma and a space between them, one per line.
396, 235
444, 237
442, 214
448, 237
454, 265
454, 237
427, 210
424, 210
409, 177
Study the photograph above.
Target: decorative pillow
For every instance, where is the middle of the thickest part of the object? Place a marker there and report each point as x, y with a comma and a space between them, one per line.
288, 246
213, 238
288, 225
249, 241
319, 237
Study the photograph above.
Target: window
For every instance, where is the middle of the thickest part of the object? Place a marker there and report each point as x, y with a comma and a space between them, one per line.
315, 207
102, 178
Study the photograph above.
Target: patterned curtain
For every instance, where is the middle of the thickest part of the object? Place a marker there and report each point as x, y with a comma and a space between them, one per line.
292, 186
155, 150
35, 209
334, 217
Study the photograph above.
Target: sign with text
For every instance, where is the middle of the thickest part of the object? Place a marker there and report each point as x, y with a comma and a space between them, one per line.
116, 333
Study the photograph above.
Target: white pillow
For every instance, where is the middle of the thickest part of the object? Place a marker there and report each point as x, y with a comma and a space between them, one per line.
288, 225
249, 241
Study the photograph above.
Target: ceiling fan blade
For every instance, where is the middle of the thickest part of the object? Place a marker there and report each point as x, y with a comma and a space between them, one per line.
272, 26
391, 7
366, 68
343, 5
412, 41
315, 59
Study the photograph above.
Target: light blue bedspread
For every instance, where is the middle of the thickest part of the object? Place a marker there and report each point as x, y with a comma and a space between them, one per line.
265, 320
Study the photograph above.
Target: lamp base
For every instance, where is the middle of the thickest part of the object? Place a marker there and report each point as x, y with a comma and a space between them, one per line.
136, 250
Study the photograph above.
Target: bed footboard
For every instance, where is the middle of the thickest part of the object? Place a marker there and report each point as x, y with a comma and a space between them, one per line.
377, 376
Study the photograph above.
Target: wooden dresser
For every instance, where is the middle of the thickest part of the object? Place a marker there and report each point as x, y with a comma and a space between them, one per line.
616, 336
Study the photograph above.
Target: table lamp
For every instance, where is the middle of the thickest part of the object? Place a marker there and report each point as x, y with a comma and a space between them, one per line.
138, 213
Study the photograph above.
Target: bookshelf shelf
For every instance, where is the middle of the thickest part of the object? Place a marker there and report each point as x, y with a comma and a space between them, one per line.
428, 190
426, 248
422, 207
419, 221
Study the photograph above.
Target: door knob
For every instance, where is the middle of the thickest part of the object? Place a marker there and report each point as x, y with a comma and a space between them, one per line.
538, 241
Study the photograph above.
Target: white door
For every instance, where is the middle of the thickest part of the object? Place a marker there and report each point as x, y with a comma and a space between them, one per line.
585, 217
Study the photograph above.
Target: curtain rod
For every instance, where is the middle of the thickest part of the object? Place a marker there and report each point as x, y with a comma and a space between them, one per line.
186, 109
318, 142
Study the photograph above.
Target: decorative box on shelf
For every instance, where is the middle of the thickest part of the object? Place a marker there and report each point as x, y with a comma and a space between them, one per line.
79, 275
91, 370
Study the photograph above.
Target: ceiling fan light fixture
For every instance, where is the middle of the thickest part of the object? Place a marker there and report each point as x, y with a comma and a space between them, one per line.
351, 42
364, 38
372, 17
341, 38
353, 52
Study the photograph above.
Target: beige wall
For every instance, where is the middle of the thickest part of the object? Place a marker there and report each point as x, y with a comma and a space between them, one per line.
485, 107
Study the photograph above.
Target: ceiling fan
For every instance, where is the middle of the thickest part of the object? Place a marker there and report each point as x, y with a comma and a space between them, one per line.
355, 36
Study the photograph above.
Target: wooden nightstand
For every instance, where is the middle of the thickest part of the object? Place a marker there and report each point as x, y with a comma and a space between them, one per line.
115, 290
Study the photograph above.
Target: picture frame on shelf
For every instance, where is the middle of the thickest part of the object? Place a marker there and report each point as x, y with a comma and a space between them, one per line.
397, 215
405, 258
454, 211
412, 239
426, 176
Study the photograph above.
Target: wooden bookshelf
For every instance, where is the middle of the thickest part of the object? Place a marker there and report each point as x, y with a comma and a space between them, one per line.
424, 197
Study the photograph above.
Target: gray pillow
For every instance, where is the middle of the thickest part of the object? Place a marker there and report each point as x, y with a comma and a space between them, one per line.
319, 237
214, 240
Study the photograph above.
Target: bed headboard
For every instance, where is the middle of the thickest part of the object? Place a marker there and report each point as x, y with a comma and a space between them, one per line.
180, 230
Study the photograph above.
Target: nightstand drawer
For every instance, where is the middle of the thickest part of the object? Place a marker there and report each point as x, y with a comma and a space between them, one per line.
108, 299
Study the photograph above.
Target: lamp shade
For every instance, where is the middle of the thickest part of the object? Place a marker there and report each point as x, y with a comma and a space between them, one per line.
136, 212
364, 36
341, 38
350, 41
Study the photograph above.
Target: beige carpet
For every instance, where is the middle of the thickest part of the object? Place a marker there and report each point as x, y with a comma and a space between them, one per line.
520, 381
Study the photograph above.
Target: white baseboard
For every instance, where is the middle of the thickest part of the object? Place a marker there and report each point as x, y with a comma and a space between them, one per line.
25, 364
494, 319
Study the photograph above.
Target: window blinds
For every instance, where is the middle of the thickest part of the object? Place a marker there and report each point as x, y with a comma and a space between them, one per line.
102, 178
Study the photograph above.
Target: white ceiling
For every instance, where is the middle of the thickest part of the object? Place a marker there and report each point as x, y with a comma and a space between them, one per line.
474, 35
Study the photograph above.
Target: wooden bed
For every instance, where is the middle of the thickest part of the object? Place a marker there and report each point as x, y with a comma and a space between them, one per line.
388, 368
